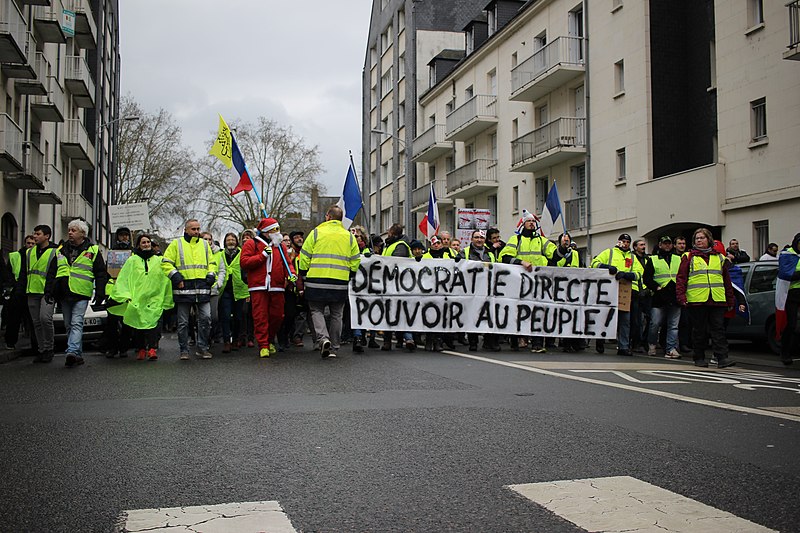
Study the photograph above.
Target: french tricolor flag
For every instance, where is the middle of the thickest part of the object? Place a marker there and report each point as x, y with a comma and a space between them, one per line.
240, 180
787, 266
430, 222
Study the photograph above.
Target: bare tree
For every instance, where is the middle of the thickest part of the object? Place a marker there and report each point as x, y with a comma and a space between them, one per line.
282, 167
154, 165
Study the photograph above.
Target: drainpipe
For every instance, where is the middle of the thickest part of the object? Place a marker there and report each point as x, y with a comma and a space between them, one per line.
588, 98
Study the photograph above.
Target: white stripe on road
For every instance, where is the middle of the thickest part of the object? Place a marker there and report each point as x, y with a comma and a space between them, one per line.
613, 504
653, 392
243, 517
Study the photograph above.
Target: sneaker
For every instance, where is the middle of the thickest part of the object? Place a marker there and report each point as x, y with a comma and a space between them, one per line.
184, 356
69, 362
713, 360
140, 355
410, 345
78, 360
651, 349
701, 363
272, 349
152, 355
204, 354
263, 353
538, 349
725, 363
673, 354
331, 355
297, 341
325, 348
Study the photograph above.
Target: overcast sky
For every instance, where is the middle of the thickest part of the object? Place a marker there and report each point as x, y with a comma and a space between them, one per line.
298, 63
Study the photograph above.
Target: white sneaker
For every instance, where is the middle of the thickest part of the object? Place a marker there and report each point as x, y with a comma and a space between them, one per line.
673, 354
651, 349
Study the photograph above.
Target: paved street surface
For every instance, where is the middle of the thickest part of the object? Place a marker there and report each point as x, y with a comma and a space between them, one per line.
396, 441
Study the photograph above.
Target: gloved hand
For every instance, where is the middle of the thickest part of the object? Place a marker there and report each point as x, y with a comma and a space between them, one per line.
210, 280
457, 258
612, 270
629, 276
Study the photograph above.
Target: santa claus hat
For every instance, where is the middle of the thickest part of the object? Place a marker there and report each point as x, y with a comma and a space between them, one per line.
267, 224
526, 215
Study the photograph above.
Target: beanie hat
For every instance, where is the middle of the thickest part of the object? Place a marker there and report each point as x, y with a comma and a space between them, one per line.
267, 224
417, 245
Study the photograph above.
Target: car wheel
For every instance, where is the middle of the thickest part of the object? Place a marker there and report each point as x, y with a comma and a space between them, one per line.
773, 343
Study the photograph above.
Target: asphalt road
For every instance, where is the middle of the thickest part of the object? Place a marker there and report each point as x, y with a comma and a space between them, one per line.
388, 441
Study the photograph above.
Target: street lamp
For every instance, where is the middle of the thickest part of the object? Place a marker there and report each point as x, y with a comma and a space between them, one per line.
392, 135
128, 118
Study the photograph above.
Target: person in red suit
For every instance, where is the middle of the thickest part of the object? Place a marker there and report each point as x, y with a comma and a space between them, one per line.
268, 273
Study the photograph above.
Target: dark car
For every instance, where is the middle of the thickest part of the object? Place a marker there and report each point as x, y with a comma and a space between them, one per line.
759, 288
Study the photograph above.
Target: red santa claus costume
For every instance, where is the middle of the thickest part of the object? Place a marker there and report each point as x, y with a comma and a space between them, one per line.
267, 278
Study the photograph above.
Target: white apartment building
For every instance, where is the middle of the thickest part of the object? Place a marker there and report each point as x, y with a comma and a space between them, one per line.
59, 76
651, 117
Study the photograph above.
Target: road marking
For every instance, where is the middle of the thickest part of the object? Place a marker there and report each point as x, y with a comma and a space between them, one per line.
624, 386
624, 503
242, 517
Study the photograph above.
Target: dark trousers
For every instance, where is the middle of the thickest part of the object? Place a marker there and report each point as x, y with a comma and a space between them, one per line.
789, 335
145, 338
708, 320
230, 316
16, 314
685, 329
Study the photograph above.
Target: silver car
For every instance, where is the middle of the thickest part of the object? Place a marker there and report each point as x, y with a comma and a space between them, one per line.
759, 288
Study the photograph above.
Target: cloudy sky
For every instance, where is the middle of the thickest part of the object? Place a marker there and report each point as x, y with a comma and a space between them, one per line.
298, 63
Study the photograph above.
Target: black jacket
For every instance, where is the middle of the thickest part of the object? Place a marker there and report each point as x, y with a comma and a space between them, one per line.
664, 297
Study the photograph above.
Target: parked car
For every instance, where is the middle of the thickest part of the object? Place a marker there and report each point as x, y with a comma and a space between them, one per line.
759, 288
94, 322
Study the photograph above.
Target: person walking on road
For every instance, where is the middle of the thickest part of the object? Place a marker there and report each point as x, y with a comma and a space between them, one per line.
233, 294
38, 263
190, 266
328, 260
660, 275
15, 311
80, 271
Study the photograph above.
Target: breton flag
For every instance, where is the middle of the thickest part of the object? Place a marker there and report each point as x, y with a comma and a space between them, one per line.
787, 265
226, 150
551, 211
350, 202
430, 222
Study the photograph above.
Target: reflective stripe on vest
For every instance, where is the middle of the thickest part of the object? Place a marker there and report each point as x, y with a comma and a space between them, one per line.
324, 262
705, 280
193, 271
37, 269
80, 273
663, 272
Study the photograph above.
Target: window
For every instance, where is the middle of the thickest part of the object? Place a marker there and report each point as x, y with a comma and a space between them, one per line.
515, 199
541, 193
763, 278
386, 218
619, 78
449, 106
385, 177
449, 163
491, 82
541, 115
493, 146
373, 181
621, 164
431, 172
491, 205
386, 82
401, 67
469, 153
758, 120
401, 20
760, 237
469, 92
491, 19
470, 40
755, 13
373, 56
401, 115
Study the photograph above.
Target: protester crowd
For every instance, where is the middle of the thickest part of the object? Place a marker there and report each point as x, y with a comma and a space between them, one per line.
268, 290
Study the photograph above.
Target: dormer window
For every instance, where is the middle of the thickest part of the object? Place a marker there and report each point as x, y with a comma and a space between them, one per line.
491, 19
470, 40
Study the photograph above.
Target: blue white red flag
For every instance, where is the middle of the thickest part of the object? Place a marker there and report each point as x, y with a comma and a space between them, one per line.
551, 211
737, 281
240, 180
350, 202
430, 222
787, 266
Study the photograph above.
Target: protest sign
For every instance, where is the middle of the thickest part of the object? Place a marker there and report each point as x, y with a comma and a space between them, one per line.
470, 219
389, 293
114, 261
132, 216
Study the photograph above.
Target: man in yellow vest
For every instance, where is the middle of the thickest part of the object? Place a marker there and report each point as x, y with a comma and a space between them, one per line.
35, 266
328, 259
16, 309
191, 267
81, 272
660, 274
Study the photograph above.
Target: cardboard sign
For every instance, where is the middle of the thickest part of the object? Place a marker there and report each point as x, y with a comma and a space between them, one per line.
115, 260
131, 216
625, 295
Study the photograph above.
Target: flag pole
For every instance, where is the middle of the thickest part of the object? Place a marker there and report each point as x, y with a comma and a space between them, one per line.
366, 221
563, 212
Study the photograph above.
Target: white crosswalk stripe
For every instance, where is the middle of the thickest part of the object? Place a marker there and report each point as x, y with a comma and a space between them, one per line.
242, 517
623, 503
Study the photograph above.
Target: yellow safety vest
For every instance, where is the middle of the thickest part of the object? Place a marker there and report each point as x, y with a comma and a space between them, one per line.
15, 259
193, 260
615, 257
448, 254
573, 260
663, 272
389, 250
705, 279
327, 255
536, 250
489, 254
37, 269
80, 272
234, 271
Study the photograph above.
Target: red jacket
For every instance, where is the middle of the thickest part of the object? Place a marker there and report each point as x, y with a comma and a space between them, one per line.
257, 263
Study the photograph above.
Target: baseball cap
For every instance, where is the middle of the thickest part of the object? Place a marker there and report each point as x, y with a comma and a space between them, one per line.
417, 244
625, 237
294, 234
665, 238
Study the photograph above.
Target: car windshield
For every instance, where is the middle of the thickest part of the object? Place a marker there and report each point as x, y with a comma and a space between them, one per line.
763, 278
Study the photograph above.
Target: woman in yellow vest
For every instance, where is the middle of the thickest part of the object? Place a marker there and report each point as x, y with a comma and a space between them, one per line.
234, 293
703, 286
143, 292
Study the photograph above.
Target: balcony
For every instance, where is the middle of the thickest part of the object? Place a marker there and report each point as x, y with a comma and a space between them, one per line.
76, 145
473, 178
50, 106
76, 206
25, 68
12, 33
553, 143
48, 22
547, 69
37, 85
85, 28
51, 194
421, 195
78, 81
32, 176
10, 145
474, 116
431, 145
575, 214
793, 49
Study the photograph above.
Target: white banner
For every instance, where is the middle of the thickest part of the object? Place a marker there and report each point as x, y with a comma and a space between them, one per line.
132, 216
390, 293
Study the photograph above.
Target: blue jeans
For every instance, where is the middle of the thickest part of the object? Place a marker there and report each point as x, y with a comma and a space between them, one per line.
73, 322
203, 325
230, 306
672, 315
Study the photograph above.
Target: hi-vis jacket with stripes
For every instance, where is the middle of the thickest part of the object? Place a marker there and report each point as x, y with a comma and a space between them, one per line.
190, 261
329, 255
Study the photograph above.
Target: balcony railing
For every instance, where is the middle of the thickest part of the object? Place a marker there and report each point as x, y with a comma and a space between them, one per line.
562, 132
12, 33
477, 172
50, 107
76, 144
49, 21
421, 195
79, 82
794, 24
575, 213
85, 28
431, 145
561, 51
479, 107
10, 144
